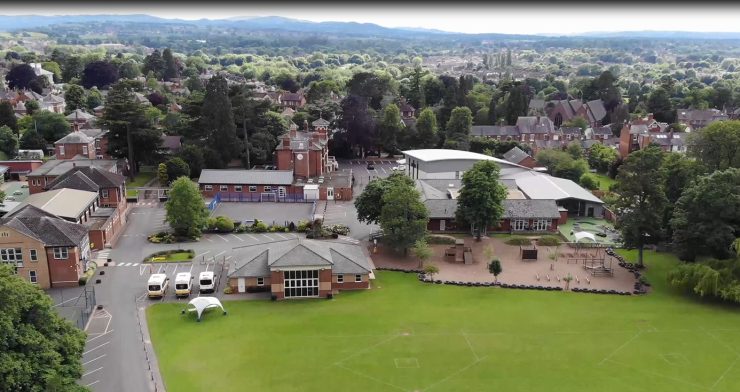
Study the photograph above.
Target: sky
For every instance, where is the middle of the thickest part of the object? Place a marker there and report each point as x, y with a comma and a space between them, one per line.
534, 18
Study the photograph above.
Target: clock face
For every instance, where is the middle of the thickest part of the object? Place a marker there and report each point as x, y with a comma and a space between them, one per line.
299, 157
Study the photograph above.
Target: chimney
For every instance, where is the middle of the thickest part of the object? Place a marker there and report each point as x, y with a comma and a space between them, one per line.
305, 125
286, 140
650, 117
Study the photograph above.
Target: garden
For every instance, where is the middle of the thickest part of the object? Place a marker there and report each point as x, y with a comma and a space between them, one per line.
402, 335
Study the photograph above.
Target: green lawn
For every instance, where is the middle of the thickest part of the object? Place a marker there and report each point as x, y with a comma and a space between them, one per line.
139, 180
173, 257
604, 181
408, 336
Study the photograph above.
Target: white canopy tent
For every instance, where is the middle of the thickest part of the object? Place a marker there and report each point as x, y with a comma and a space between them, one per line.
580, 235
200, 304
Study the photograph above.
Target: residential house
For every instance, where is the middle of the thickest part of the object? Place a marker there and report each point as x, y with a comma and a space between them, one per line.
498, 132
536, 107
46, 250
568, 134
697, 119
53, 103
293, 100
599, 133
534, 128
81, 119
42, 176
407, 111
39, 71
668, 141
300, 268
76, 143
20, 109
171, 143
562, 111
518, 156
110, 187
100, 138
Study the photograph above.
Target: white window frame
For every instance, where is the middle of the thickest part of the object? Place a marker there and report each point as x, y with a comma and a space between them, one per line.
237, 188
519, 224
104, 193
33, 255
32, 277
252, 188
260, 281
223, 188
301, 283
340, 278
358, 278
61, 251
541, 224
84, 150
61, 149
268, 188
12, 256
208, 187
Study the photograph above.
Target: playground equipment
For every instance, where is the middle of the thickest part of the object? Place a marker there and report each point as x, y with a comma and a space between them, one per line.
200, 304
592, 254
528, 252
462, 253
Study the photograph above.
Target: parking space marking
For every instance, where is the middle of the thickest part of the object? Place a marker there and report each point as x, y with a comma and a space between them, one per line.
208, 239
125, 264
92, 371
202, 254
160, 269
135, 264
238, 238
191, 268
143, 268
223, 238
174, 272
102, 334
93, 349
282, 236
219, 254
252, 237
381, 168
92, 360
92, 383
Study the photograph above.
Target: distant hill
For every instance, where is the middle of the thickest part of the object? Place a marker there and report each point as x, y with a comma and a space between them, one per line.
277, 23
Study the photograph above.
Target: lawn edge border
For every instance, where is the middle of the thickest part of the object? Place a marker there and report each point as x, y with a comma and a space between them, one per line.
156, 381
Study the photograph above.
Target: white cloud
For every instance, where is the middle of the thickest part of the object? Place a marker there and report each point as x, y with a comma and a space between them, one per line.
533, 19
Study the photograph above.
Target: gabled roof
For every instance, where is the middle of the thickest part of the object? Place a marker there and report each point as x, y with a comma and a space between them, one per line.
172, 142
51, 98
45, 227
93, 132
494, 130
75, 137
292, 97
76, 180
528, 208
515, 155
596, 110
100, 177
79, 114
258, 260
544, 187
320, 123
64, 203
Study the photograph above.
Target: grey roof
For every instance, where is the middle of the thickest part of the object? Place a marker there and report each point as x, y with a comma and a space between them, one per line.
597, 109
99, 177
536, 104
602, 131
257, 261
666, 139
494, 130
45, 227
75, 137
93, 132
575, 131
79, 114
441, 208
249, 177
528, 208
57, 167
543, 187
320, 123
76, 180
515, 155
535, 124
65, 202
172, 142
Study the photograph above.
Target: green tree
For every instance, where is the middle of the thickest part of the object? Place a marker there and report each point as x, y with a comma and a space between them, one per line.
600, 157
72, 68
217, 120
162, 176
577, 122
431, 270
193, 155
171, 71
494, 267
154, 63
480, 202
40, 350
93, 99
123, 114
641, 198
74, 96
678, 172
32, 106
458, 126
717, 145
426, 128
370, 202
8, 142
574, 149
422, 251
54, 68
177, 168
52, 126
589, 182
32, 140
390, 126
186, 211
403, 216
7, 116
706, 218
515, 104
20, 77
659, 103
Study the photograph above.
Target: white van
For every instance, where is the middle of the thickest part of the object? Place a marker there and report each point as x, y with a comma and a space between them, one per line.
206, 282
157, 285
183, 284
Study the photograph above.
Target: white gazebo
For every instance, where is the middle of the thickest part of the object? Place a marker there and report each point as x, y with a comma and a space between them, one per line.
580, 235
200, 304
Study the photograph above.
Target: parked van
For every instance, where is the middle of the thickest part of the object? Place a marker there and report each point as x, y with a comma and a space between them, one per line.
183, 284
206, 282
157, 285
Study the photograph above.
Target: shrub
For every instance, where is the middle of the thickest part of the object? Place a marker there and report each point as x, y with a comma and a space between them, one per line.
224, 224
303, 226
440, 239
228, 290
211, 223
338, 229
259, 227
87, 275
518, 241
589, 182
291, 226
549, 240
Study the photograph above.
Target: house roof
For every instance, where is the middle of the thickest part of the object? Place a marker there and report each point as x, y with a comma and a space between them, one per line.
93, 132
100, 177
251, 177
534, 124
45, 227
438, 154
64, 203
51, 98
291, 97
515, 155
171, 142
320, 123
79, 114
75, 137
543, 186
602, 131
575, 131
57, 167
76, 180
597, 111
528, 208
258, 260
494, 130
536, 104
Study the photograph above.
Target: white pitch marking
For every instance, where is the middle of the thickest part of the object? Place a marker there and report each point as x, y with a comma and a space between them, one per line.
238, 238
219, 254
91, 372
93, 349
223, 238
92, 383
93, 359
135, 264
208, 239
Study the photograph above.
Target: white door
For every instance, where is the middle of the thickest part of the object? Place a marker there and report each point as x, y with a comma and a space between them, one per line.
442, 225
241, 283
281, 192
329, 193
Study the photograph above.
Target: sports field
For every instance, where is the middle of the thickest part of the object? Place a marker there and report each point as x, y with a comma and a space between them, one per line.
408, 336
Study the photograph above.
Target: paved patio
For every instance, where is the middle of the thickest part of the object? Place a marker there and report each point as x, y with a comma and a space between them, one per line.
515, 271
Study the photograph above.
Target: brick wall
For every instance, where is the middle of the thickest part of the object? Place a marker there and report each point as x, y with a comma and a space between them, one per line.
65, 272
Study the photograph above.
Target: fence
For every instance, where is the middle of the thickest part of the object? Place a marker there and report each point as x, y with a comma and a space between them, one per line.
260, 197
78, 309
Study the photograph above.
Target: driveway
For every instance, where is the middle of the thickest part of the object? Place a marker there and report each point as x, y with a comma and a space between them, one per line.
267, 212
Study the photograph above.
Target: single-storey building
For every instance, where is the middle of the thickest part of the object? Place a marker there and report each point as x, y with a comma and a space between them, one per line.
518, 156
46, 250
19, 169
300, 268
70, 204
247, 185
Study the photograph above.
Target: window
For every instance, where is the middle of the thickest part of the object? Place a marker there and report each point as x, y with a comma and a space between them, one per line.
281, 191
32, 277
542, 224
519, 224
301, 283
60, 253
84, 150
61, 150
36, 182
268, 188
237, 188
260, 281
358, 278
34, 255
224, 188
98, 157
104, 193
340, 278
11, 255
208, 187
252, 188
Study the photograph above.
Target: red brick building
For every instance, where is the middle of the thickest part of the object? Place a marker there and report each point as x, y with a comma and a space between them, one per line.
19, 169
300, 268
305, 153
49, 171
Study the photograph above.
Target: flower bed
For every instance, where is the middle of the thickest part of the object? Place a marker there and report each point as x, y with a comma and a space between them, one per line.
171, 256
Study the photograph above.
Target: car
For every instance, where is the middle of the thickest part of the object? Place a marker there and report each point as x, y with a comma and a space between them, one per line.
206, 282
18, 193
310, 181
321, 180
24, 186
183, 284
399, 167
248, 222
370, 166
